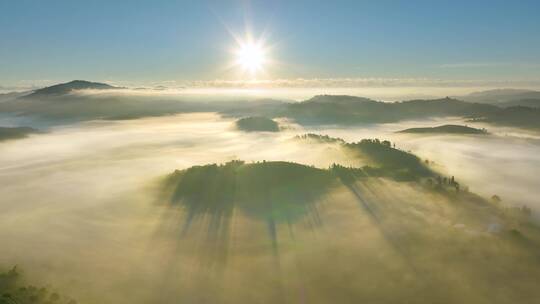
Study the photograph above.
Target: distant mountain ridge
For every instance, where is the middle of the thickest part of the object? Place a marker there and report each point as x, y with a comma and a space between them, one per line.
505, 97
65, 88
350, 110
55, 102
445, 129
326, 109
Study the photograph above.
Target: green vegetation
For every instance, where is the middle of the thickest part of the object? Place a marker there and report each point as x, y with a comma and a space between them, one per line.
273, 192
320, 138
7, 133
14, 291
390, 162
278, 191
282, 191
426, 239
446, 129
385, 160
257, 124
430, 233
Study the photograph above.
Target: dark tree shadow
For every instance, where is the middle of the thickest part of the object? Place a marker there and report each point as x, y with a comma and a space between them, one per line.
272, 192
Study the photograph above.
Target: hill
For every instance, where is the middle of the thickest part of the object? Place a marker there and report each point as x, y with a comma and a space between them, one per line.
349, 110
272, 192
328, 218
65, 88
287, 187
383, 159
54, 103
257, 124
505, 97
327, 109
446, 129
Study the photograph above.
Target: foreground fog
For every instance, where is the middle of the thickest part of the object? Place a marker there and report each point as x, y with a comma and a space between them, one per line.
78, 210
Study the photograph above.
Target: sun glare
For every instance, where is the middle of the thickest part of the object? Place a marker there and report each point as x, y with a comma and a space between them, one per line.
251, 57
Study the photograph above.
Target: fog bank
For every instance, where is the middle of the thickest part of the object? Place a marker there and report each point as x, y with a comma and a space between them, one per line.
79, 210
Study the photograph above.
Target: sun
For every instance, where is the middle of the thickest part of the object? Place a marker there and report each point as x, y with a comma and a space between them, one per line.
251, 57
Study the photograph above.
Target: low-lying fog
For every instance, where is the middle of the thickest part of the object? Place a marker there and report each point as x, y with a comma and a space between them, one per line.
77, 208
505, 162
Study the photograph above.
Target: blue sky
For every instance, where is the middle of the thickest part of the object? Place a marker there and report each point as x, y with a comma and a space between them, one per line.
160, 41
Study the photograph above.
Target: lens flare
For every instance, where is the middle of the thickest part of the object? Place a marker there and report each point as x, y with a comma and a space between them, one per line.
251, 57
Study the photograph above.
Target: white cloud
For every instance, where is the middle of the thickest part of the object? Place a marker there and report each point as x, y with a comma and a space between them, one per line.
359, 83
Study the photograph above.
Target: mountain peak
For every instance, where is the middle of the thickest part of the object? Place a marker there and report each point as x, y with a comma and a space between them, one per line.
64, 88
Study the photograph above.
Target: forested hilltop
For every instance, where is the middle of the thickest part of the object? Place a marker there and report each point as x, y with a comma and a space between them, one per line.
427, 221
257, 124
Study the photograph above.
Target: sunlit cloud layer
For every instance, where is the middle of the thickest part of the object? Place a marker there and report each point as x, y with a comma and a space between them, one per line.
360, 82
172, 86
90, 188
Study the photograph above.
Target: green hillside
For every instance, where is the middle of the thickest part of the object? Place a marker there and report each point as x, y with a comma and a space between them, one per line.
257, 124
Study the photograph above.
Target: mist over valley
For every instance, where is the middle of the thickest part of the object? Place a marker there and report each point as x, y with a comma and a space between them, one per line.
86, 198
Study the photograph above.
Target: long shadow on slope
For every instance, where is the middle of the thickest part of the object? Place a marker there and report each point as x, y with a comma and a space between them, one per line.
272, 192
349, 179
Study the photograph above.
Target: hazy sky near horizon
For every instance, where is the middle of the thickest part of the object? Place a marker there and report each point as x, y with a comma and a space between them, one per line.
43, 42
